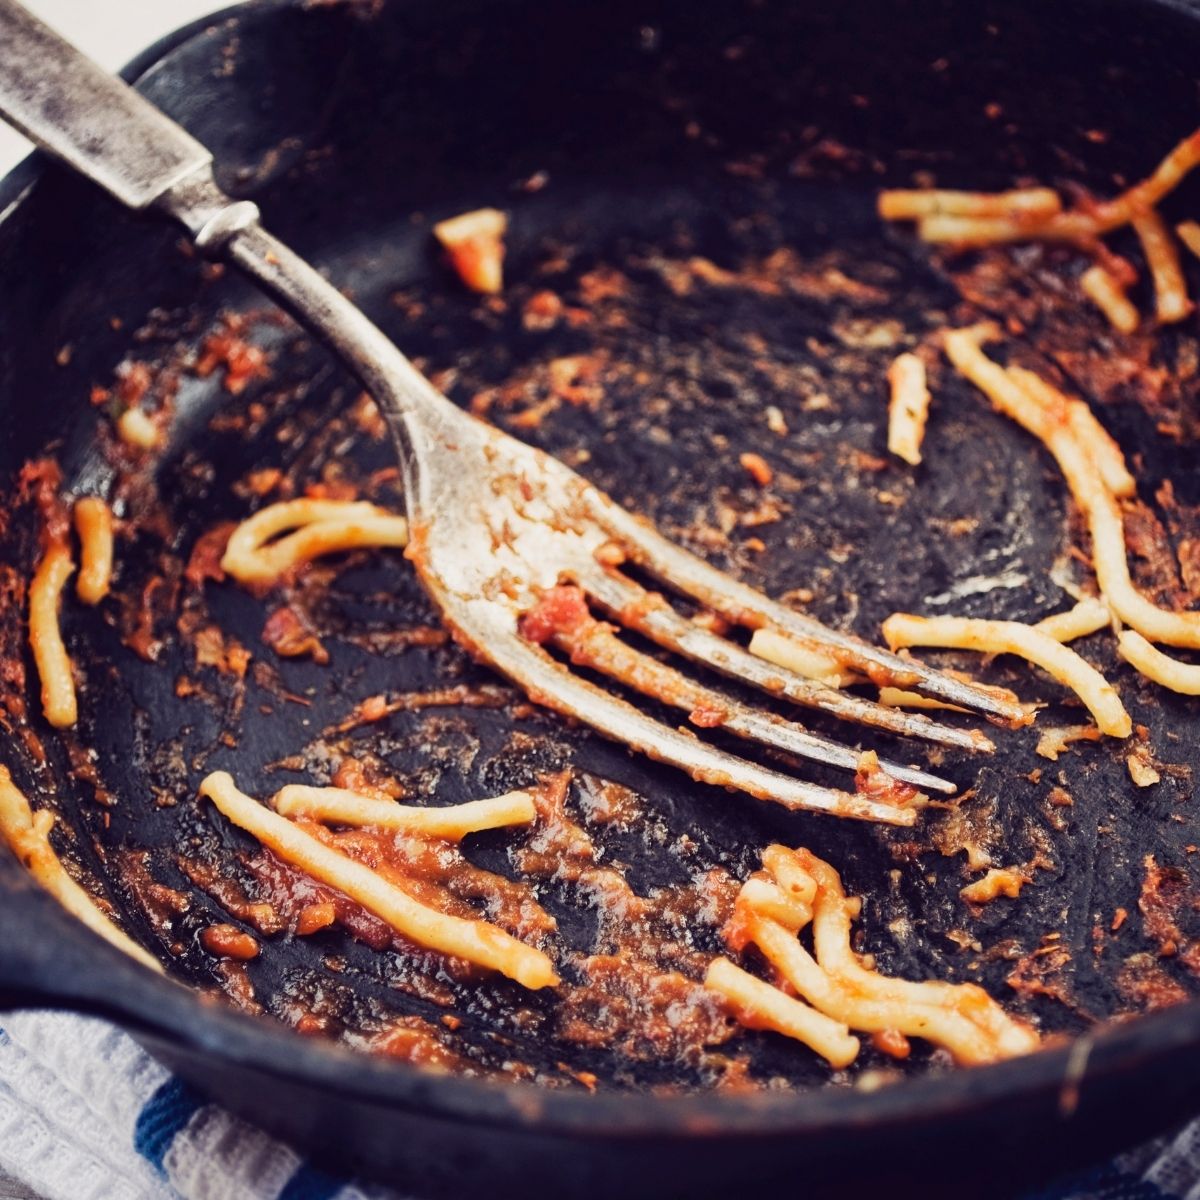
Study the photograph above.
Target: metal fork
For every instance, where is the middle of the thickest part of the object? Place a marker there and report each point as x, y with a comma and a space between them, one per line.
494, 523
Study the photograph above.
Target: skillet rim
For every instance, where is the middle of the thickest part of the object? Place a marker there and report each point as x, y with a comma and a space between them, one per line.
161, 1011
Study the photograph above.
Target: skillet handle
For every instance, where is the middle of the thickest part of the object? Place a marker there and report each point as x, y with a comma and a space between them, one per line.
48, 959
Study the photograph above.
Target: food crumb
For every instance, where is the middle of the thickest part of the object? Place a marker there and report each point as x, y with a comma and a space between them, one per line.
1056, 740
135, 428
1141, 769
999, 881
474, 244
757, 468
228, 941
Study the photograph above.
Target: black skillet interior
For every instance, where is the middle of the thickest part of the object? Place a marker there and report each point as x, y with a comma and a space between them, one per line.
628, 137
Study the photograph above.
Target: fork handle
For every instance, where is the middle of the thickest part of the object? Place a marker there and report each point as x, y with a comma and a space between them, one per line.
103, 129
68, 105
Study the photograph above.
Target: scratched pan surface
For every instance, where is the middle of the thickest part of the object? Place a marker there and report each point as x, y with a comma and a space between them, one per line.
626, 141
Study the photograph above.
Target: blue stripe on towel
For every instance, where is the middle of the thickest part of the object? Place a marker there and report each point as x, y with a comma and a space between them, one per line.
162, 1119
310, 1184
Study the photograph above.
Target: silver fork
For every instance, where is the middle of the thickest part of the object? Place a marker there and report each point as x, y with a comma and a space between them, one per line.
496, 524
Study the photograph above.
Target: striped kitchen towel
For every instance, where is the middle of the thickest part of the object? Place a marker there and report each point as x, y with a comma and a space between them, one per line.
86, 1114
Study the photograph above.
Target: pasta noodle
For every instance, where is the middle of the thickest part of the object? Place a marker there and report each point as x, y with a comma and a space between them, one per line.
758, 1005
788, 874
908, 410
895, 697
983, 231
768, 899
1188, 233
45, 636
1026, 641
1088, 616
28, 836
453, 822
1087, 430
1148, 194
1155, 665
1104, 290
1086, 481
795, 656
899, 204
1075, 225
475, 941
94, 524
1170, 289
831, 938
318, 527
957, 1033
960, 1017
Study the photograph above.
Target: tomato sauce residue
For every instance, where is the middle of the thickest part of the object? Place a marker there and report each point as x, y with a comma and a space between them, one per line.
14, 714
639, 990
708, 716
644, 1012
1167, 894
316, 916
228, 941
376, 708
559, 610
356, 776
229, 894
133, 382
40, 482
236, 984
873, 782
213, 648
561, 616
433, 872
290, 635
1044, 972
413, 1040
204, 562
146, 611
892, 1043
1146, 986
243, 361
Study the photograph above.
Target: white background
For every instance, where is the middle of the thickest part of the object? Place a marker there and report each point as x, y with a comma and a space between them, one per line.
112, 32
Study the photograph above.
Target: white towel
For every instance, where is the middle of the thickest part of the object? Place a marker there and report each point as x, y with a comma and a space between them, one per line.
86, 1114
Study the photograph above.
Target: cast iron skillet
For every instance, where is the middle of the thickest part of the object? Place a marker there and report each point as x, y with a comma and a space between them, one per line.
664, 130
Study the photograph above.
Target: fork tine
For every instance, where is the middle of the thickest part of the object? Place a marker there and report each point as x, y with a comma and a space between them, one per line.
649, 614
553, 685
600, 649
794, 739
740, 603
